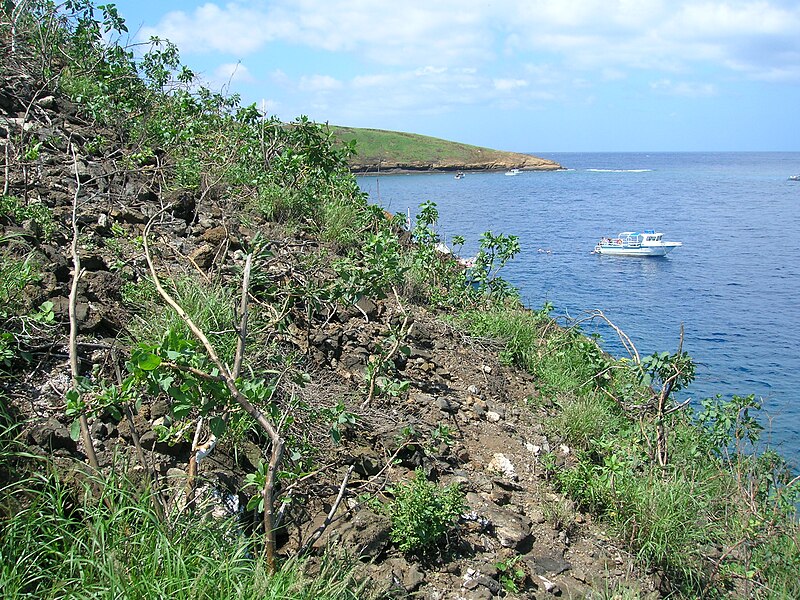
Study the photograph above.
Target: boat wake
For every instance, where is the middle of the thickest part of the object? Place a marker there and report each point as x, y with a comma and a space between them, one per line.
619, 170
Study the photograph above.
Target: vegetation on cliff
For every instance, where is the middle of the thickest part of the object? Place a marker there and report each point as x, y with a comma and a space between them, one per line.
379, 150
217, 360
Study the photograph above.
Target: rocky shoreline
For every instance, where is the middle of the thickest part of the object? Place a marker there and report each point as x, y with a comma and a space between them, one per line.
523, 162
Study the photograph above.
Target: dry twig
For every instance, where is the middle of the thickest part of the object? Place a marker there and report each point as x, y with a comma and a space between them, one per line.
276, 441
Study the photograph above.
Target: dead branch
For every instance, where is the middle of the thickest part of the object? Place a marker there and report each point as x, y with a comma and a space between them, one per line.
86, 435
661, 410
329, 518
276, 441
627, 343
237, 363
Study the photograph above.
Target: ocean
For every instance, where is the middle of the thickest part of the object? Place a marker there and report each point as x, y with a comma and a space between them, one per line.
734, 284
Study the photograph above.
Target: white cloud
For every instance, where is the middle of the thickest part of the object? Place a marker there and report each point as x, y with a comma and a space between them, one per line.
670, 36
232, 29
319, 83
233, 72
507, 85
429, 70
686, 89
616, 35
433, 57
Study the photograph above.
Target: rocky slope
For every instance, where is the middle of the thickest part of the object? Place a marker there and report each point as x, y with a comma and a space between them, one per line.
488, 416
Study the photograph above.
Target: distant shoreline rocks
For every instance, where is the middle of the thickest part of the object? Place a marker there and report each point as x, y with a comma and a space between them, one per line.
523, 162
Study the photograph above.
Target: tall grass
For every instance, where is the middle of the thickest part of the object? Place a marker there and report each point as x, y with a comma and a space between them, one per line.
58, 541
563, 360
210, 305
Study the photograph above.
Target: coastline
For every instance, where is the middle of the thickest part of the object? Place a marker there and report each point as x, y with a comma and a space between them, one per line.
397, 168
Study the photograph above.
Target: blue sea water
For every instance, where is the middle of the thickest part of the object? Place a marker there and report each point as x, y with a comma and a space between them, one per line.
734, 284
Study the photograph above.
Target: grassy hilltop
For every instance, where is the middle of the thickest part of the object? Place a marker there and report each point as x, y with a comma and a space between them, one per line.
395, 150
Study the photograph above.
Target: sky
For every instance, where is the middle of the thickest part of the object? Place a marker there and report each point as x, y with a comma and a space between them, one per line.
532, 76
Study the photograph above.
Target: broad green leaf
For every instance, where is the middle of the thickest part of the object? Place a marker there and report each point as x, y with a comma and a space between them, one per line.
181, 410
75, 430
217, 426
147, 361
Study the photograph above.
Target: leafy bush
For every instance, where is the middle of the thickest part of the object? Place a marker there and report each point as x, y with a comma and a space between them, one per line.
15, 275
211, 306
494, 253
14, 210
422, 513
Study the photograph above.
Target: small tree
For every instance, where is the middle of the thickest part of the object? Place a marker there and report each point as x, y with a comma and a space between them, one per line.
672, 372
495, 252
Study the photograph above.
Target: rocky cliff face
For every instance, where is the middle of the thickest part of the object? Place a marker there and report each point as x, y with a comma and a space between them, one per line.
467, 419
496, 161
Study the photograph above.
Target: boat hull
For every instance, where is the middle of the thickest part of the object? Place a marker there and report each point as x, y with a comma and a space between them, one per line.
661, 250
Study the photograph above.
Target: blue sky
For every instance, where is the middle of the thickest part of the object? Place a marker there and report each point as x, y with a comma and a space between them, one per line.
522, 75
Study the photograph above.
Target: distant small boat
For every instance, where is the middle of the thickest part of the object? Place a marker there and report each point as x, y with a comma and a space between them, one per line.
794, 177
631, 243
513, 172
459, 175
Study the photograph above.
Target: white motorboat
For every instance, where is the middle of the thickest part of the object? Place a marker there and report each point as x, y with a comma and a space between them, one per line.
513, 172
794, 177
632, 243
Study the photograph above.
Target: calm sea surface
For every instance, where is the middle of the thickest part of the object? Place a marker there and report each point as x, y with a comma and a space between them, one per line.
734, 284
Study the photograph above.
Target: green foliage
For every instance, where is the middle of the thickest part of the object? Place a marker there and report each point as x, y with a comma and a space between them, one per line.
59, 541
380, 374
494, 253
662, 367
15, 211
20, 324
431, 276
518, 328
339, 417
15, 275
257, 480
728, 422
564, 360
424, 232
441, 434
379, 269
584, 421
511, 575
422, 513
712, 495
211, 306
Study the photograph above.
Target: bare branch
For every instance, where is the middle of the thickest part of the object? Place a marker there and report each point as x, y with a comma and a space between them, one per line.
86, 435
321, 529
237, 363
230, 382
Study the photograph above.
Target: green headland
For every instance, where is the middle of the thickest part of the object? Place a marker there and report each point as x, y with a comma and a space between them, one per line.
389, 151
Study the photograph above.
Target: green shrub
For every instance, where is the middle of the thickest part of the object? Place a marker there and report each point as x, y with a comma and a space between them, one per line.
564, 360
519, 329
15, 274
16, 211
422, 513
280, 204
